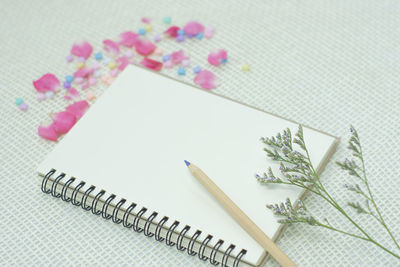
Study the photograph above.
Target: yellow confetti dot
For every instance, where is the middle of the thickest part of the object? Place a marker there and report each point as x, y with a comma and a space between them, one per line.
148, 28
112, 65
80, 65
245, 67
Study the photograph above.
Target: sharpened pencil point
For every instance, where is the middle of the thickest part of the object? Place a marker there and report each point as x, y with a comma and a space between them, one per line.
187, 162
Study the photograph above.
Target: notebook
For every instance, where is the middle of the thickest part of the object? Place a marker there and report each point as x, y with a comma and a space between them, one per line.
124, 161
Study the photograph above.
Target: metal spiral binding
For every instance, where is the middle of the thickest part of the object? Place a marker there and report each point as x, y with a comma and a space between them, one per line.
137, 219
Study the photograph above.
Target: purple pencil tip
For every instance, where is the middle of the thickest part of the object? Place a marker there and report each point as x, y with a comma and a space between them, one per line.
187, 162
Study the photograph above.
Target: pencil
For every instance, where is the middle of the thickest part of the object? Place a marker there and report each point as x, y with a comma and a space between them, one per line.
245, 222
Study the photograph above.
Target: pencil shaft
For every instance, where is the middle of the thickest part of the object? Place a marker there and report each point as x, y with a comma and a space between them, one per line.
247, 224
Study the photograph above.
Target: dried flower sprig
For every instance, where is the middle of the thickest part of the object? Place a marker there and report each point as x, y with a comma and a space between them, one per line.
297, 170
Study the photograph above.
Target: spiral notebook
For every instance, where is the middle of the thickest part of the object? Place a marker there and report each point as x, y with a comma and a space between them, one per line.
123, 161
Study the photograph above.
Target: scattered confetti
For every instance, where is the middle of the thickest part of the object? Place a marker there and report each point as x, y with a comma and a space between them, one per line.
148, 28
112, 65
216, 58
69, 58
48, 82
180, 38
196, 69
78, 108
123, 62
48, 132
66, 85
151, 64
245, 67
129, 53
78, 80
82, 50
167, 20
98, 56
199, 36
181, 32
81, 59
157, 38
80, 65
83, 72
166, 58
41, 96
49, 94
19, 101
69, 78
23, 106
168, 64
181, 71
178, 56
142, 31
205, 79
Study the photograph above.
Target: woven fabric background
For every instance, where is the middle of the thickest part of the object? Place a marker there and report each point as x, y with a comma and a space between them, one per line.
322, 63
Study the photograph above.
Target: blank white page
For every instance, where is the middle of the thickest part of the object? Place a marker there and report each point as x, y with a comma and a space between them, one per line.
133, 140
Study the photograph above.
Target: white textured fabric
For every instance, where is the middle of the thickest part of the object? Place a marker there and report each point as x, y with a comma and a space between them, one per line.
323, 63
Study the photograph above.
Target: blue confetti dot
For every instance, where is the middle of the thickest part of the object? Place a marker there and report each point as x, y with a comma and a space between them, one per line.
196, 69
98, 56
181, 32
167, 20
181, 71
19, 101
166, 58
199, 36
69, 78
223, 61
142, 31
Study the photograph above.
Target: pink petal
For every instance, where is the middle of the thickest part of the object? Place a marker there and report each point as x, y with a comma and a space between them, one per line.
146, 20
82, 50
151, 64
172, 31
177, 57
123, 62
128, 38
214, 58
47, 82
63, 122
205, 79
144, 48
83, 72
48, 132
78, 108
111, 46
193, 28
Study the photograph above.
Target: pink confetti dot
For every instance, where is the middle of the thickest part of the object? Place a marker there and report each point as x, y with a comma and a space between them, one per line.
23, 106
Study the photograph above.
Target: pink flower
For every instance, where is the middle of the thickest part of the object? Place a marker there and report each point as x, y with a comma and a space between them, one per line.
111, 46
205, 79
172, 31
63, 122
144, 48
216, 58
128, 38
82, 50
78, 108
177, 57
151, 64
47, 82
193, 28
48, 132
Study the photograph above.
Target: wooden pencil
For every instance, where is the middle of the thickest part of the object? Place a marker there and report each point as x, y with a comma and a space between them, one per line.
245, 222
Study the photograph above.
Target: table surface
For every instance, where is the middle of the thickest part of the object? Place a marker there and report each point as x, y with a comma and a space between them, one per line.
326, 64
